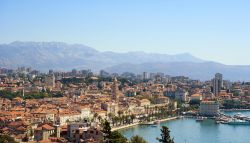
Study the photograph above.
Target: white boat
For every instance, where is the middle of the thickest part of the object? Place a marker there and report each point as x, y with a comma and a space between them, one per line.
199, 119
238, 122
240, 116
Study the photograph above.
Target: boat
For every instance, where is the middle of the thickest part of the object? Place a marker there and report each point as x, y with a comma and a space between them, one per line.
240, 116
235, 121
224, 122
199, 119
217, 122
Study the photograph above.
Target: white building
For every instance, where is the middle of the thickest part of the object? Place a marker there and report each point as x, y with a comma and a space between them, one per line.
64, 119
85, 112
209, 108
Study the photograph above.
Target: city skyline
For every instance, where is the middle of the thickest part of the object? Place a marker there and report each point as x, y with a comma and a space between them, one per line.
211, 30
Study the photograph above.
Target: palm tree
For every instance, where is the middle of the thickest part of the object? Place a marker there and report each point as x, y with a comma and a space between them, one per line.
111, 117
120, 113
95, 116
116, 120
99, 118
132, 117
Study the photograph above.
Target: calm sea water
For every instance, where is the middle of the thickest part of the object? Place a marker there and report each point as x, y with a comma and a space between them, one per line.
190, 131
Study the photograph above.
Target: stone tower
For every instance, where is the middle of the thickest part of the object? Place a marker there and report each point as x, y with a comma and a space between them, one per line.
115, 90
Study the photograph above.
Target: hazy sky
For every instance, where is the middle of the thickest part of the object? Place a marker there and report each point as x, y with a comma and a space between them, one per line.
217, 30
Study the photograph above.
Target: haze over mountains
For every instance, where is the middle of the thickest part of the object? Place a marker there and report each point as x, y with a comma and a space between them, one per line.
62, 56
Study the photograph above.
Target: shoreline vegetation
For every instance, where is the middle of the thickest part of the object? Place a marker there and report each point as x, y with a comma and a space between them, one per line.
139, 123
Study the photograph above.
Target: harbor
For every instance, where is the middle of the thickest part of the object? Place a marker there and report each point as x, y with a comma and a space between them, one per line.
188, 130
236, 119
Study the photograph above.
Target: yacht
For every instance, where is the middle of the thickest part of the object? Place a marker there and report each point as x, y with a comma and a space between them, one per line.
238, 122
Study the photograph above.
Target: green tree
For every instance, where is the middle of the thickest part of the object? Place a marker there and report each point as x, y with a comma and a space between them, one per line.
106, 129
132, 117
112, 137
137, 139
117, 137
165, 136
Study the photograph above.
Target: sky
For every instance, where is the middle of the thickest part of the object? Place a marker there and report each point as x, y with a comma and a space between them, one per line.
215, 30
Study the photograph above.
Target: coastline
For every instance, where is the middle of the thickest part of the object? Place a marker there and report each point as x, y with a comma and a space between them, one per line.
234, 109
123, 127
136, 124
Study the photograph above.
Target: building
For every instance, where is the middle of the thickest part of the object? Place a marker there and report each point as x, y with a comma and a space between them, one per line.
145, 76
196, 97
85, 112
181, 94
104, 73
217, 84
50, 81
110, 107
115, 90
44, 132
209, 108
83, 133
220, 77
144, 102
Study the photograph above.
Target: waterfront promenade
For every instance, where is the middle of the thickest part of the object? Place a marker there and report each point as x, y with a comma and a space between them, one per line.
138, 123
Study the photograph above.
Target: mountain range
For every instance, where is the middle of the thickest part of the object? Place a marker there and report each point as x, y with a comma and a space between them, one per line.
62, 56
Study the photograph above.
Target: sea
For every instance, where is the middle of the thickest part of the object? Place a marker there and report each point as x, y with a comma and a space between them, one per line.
187, 130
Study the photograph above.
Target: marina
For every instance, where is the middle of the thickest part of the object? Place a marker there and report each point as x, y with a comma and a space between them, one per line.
188, 130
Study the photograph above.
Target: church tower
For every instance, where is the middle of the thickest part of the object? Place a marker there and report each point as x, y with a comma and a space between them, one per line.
115, 90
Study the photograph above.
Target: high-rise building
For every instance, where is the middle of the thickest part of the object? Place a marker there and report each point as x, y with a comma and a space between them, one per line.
219, 76
104, 73
145, 76
217, 84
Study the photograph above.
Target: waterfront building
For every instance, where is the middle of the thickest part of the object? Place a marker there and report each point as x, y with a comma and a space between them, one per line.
209, 108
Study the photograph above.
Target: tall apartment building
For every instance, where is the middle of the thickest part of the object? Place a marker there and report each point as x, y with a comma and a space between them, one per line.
217, 84
145, 76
